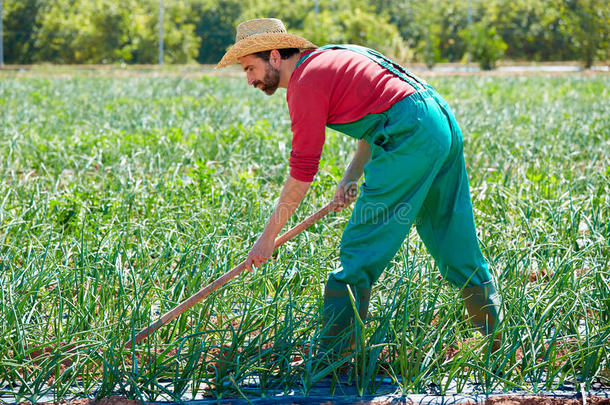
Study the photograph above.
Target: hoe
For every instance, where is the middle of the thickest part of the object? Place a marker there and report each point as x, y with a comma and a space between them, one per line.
220, 281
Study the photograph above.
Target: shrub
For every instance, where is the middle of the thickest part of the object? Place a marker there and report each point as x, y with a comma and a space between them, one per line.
484, 44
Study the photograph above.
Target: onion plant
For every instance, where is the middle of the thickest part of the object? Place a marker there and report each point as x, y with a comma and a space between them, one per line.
122, 196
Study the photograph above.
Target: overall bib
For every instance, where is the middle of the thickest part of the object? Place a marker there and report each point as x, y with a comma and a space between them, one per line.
416, 174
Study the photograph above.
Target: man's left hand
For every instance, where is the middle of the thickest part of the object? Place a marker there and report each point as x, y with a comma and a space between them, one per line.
346, 193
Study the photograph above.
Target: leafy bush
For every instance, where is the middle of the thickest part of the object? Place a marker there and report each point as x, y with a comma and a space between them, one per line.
215, 25
484, 44
108, 31
103, 31
587, 28
360, 27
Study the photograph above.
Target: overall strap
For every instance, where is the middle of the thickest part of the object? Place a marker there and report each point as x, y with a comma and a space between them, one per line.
304, 57
377, 57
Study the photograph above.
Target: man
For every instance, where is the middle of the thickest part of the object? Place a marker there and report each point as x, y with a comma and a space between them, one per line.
409, 149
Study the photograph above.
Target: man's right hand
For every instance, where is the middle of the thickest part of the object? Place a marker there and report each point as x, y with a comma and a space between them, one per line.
292, 194
261, 252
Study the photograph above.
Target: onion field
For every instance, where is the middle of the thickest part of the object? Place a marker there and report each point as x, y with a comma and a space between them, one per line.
121, 196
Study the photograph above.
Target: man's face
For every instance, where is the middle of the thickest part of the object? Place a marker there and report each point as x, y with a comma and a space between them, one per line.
261, 74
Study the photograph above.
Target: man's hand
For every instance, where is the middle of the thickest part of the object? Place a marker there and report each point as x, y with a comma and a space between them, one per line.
293, 192
347, 190
346, 193
260, 252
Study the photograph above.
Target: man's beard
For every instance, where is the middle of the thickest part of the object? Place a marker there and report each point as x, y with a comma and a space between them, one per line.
271, 81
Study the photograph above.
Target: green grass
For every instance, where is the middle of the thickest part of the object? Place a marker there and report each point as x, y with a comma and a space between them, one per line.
121, 197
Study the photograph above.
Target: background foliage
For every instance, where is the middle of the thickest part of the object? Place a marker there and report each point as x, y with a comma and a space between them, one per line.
430, 31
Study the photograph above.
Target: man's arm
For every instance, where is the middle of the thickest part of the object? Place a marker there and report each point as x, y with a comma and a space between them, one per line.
292, 194
346, 189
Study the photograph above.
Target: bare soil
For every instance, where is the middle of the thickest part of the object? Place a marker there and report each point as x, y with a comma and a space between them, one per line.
542, 400
113, 400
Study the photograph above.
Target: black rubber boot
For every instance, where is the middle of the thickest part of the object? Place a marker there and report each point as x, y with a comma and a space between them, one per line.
483, 305
338, 317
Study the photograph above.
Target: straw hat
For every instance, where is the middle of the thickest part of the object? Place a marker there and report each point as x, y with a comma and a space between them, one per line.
261, 34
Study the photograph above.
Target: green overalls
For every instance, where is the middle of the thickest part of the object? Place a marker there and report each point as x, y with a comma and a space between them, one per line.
416, 174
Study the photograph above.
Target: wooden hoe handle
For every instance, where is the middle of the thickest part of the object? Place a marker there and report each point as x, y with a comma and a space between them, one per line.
220, 281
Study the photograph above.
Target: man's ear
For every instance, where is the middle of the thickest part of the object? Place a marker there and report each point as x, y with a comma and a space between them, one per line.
275, 58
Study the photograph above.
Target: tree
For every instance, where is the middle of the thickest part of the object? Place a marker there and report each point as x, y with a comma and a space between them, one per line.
106, 31
531, 27
19, 19
484, 44
357, 26
339, 21
588, 28
214, 22
430, 27
293, 13
109, 31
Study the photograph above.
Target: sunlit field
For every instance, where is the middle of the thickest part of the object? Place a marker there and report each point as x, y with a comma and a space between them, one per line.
122, 196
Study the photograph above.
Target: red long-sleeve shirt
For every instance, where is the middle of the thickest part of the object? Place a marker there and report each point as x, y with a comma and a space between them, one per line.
334, 86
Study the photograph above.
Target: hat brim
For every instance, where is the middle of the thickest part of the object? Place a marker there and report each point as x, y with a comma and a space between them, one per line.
262, 42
